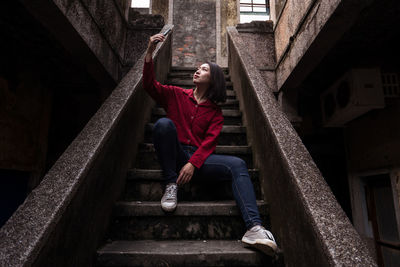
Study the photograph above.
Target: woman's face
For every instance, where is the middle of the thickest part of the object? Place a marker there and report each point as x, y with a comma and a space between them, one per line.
202, 75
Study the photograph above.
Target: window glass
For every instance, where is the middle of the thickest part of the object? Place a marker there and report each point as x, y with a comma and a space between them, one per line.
141, 3
254, 10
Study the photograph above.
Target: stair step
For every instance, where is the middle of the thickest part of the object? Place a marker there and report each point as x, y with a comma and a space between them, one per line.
188, 82
231, 116
225, 128
225, 112
156, 174
147, 185
184, 208
230, 104
190, 69
228, 150
191, 220
188, 75
147, 158
180, 253
230, 134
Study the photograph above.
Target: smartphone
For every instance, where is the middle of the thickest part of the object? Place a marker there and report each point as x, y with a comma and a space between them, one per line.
165, 34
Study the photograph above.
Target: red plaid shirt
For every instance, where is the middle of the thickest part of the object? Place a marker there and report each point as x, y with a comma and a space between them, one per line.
197, 124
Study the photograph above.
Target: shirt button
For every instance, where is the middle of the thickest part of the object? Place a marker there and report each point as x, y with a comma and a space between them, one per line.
196, 106
188, 140
192, 117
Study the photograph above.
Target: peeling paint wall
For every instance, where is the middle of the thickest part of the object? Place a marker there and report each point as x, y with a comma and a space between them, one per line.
160, 7
194, 40
229, 17
200, 30
373, 140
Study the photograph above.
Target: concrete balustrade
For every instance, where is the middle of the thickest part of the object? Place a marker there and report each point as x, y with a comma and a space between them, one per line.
62, 221
310, 225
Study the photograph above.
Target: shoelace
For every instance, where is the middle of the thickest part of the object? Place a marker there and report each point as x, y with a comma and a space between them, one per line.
170, 192
265, 232
268, 235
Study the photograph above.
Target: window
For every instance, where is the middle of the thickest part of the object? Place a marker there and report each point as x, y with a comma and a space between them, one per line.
381, 215
140, 3
254, 10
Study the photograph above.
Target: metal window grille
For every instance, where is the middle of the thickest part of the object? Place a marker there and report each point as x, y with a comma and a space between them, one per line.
390, 84
254, 7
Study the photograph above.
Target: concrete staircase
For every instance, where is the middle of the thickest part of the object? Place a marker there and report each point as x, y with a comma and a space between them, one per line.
206, 227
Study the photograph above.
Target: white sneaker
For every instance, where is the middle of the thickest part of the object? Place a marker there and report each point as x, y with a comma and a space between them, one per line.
169, 199
261, 239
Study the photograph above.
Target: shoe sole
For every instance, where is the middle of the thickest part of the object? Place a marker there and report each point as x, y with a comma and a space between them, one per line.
168, 209
266, 246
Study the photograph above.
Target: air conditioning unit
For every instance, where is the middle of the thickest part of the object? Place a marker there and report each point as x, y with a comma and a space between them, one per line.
355, 93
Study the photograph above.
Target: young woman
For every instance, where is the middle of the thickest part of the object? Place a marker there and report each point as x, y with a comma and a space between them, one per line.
186, 139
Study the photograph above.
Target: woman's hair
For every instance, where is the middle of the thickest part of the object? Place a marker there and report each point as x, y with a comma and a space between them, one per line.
217, 90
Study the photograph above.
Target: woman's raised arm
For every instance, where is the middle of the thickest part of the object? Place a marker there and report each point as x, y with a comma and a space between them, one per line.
152, 45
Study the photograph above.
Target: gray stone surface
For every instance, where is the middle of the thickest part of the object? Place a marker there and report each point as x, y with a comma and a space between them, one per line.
156, 175
193, 208
260, 43
63, 219
93, 31
179, 253
219, 150
305, 33
148, 157
225, 128
225, 112
230, 134
312, 228
141, 27
146, 184
195, 32
173, 227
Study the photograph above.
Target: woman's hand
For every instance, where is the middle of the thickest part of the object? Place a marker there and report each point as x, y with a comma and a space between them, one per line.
152, 45
185, 174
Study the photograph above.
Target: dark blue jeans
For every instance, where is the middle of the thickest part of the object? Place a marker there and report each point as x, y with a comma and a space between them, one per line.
173, 155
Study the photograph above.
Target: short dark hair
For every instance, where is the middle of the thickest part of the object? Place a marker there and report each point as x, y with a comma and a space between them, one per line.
217, 90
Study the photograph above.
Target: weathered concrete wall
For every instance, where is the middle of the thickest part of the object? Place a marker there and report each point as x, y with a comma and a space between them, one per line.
276, 7
306, 31
94, 31
229, 17
260, 42
289, 21
160, 7
63, 220
311, 227
141, 27
124, 6
24, 123
201, 30
381, 131
195, 32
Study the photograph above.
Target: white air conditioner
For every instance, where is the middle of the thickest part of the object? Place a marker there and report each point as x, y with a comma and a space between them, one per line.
355, 93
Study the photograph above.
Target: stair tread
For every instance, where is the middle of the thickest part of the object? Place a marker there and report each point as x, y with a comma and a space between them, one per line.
187, 82
184, 208
225, 128
229, 102
181, 68
175, 247
180, 253
156, 174
149, 147
188, 74
225, 112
